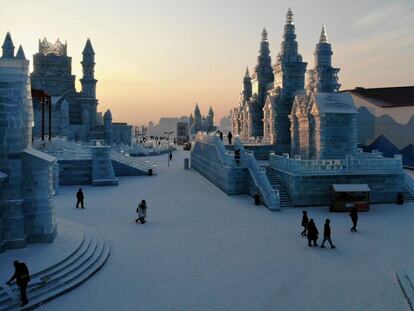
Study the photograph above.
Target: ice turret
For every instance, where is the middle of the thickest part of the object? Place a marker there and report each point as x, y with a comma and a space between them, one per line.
20, 53
323, 77
8, 47
88, 80
247, 86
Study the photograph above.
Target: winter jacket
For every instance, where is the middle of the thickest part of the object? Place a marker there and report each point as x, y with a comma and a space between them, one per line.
79, 195
142, 212
312, 231
327, 230
305, 221
21, 274
354, 215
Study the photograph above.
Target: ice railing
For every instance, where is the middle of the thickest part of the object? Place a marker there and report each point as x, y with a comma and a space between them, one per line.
247, 160
63, 149
409, 182
131, 161
358, 163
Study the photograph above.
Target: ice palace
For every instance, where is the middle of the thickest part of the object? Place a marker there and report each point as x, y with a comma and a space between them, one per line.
206, 246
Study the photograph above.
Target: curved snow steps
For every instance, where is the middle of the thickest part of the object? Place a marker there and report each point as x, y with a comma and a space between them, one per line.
64, 276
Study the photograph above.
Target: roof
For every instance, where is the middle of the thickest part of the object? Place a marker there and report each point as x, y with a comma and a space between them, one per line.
386, 97
335, 103
351, 188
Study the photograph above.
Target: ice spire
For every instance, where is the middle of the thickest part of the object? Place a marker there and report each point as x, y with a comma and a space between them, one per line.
247, 74
210, 111
8, 47
324, 35
289, 17
247, 86
264, 34
20, 53
88, 48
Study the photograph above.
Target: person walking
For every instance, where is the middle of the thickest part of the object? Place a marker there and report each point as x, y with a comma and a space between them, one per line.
142, 212
170, 156
229, 136
327, 234
354, 217
22, 277
80, 197
312, 233
305, 221
221, 135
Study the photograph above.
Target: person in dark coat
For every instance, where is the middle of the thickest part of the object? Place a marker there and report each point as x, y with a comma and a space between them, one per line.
170, 156
229, 136
400, 198
354, 217
312, 233
142, 212
305, 221
327, 234
79, 197
22, 277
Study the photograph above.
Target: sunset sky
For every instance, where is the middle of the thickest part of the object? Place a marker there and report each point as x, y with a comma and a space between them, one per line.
158, 58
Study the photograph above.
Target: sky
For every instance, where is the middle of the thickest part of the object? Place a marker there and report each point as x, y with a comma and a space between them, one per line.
158, 58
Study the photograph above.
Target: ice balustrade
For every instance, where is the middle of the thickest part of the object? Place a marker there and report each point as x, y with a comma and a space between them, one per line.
132, 161
247, 160
359, 163
409, 182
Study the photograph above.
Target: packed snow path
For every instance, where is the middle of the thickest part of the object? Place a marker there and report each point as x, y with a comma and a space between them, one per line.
204, 250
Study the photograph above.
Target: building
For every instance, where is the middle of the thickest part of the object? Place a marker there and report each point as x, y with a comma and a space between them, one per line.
323, 121
202, 123
182, 134
387, 112
27, 176
74, 114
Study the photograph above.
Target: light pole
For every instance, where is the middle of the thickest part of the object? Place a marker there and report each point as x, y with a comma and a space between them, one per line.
168, 139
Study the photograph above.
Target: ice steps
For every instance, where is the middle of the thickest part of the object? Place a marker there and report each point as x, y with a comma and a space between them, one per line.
405, 279
64, 276
285, 201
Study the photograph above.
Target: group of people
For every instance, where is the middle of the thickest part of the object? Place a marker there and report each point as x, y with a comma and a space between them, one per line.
311, 231
229, 136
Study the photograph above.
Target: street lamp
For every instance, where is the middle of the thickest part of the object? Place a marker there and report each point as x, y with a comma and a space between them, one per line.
168, 138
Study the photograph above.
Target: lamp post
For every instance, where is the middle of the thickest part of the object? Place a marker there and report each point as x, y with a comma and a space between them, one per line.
168, 139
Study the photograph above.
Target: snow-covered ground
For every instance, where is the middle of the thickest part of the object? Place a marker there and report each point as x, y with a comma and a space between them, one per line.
204, 250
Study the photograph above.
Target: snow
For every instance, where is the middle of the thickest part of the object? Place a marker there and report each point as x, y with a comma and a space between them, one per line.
204, 250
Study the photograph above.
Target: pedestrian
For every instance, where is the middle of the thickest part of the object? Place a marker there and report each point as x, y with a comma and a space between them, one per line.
312, 233
327, 234
142, 212
79, 197
354, 217
229, 136
221, 135
400, 198
170, 156
305, 221
22, 277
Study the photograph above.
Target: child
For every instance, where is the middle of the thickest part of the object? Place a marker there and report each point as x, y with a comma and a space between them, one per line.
142, 212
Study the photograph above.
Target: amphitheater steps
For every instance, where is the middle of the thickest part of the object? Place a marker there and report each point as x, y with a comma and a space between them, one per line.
62, 277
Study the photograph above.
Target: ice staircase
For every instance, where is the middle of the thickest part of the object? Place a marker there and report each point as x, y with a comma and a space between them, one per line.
48, 284
406, 279
408, 196
285, 201
129, 166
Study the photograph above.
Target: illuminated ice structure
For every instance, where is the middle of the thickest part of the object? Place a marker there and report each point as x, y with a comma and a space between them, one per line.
309, 135
26, 175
